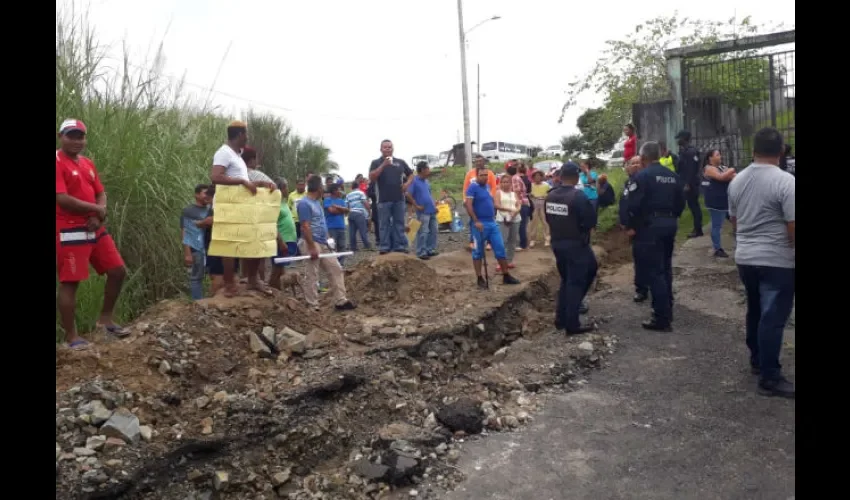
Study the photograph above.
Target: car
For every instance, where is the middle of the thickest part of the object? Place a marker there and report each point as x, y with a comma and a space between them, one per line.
551, 152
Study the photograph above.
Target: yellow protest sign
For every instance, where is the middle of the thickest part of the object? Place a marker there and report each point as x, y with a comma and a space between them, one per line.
244, 225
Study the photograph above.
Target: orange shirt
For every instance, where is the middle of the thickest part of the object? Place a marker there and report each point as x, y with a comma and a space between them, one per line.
491, 181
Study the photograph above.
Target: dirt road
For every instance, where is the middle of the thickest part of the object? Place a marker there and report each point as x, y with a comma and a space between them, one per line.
673, 416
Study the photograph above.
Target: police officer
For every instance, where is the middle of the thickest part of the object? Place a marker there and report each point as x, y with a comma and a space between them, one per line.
571, 217
634, 166
668, 158
656, 200
688, 168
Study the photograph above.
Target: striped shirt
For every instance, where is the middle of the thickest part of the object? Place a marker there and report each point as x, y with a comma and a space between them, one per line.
255, 175
519, 188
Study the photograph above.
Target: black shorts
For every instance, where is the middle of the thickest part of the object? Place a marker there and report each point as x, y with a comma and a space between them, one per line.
215, 266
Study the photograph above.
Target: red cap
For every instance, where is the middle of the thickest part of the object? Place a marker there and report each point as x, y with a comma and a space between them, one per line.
71, 125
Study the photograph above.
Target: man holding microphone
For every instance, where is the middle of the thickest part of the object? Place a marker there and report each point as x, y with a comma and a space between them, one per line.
388, 174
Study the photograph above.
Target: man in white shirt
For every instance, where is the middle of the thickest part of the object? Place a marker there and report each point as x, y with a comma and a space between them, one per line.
762, 208
229, 169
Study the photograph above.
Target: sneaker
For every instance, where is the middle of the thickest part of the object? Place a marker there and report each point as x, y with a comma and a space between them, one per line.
721, 254
779, 387
507, 279
482, 283
433, 254
423, 257
511, 266
498, 269
346, 306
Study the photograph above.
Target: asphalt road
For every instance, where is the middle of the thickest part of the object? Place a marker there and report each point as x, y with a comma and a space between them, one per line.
673, 416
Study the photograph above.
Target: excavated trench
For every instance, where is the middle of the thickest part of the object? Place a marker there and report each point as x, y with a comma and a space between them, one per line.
393, 420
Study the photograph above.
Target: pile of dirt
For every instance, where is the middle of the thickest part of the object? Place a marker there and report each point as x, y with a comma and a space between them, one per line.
395, 277
617, 247
190, 407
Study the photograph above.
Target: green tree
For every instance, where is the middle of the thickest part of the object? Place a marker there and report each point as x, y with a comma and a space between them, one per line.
600, 130
573, 143
633, 69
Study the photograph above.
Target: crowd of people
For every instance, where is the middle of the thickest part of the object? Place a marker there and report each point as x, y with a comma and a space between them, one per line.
510, 211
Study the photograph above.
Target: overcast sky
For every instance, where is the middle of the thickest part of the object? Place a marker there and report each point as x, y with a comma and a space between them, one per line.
353, 72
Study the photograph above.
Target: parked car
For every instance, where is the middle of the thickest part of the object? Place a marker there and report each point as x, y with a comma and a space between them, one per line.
551, 152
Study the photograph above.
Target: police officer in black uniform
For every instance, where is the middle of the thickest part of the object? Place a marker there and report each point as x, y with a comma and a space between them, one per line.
641, 289
655, 202
688, 167
571, 217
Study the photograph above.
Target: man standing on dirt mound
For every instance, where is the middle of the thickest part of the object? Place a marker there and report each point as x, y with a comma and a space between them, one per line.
81, 238
656, 200
484, 228
571, 217
388, 174
314, 240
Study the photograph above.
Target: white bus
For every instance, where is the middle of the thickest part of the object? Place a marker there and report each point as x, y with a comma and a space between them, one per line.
433, 161
501, 151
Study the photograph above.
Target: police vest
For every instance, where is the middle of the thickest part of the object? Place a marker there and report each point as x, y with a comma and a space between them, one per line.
667, 162
561, 216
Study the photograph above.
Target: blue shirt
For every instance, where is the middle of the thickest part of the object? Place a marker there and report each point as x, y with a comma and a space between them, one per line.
193, 236
482, 202
334, 221
356, 201
311, 210
420, 190
589, 191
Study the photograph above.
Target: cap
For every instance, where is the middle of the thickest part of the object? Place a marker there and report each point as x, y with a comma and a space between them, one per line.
683, 134
238, 123
569, 169
70, 125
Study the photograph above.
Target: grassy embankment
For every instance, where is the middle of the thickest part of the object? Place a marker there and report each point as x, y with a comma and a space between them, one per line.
151, 148
451, 179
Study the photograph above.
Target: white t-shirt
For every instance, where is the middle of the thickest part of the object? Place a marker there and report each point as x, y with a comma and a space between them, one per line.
234, 165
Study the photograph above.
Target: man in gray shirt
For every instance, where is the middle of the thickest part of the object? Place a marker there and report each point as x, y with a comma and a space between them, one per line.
761, 205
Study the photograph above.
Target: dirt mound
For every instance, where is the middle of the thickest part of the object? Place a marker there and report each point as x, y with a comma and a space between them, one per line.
395, 277
617, 247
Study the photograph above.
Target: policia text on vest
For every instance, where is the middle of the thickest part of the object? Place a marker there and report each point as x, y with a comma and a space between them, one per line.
571, 217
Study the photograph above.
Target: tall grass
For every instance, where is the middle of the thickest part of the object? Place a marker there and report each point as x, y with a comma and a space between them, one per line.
151, 147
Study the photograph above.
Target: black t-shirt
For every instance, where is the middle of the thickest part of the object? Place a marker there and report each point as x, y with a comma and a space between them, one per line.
388, 186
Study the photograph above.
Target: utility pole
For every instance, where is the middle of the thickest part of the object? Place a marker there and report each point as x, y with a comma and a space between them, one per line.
467, 140
478, 107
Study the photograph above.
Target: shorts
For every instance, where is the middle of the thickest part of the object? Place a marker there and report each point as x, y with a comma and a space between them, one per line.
492, 234
215, 266
78, 247
292, 247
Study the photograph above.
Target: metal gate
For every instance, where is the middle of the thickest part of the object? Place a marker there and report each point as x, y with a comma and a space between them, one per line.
727, 101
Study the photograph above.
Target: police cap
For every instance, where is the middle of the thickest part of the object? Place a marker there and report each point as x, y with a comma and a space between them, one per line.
683, 134
569, 169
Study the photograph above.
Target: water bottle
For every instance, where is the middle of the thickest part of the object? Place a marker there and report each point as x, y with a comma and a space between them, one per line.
457, 223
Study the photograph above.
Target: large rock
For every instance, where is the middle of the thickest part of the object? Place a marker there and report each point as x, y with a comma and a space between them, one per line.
463, 415
122, 425
370, 471
411, 433
288, 340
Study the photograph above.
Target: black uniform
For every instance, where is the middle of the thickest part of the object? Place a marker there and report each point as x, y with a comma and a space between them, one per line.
641, 288
655, 202
688, 168
571, 217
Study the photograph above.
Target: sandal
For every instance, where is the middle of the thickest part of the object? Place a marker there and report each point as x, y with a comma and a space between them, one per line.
115, 330
78, 345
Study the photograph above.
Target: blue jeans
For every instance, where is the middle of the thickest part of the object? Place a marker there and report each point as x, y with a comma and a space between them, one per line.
196, 275
653, 251
357, 225
525, 213
391, 220
426, 237
339, 240
717, 218
577, 266
770, 297
491, 234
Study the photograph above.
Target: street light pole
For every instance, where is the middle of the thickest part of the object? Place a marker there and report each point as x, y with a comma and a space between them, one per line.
467, 140
478, 107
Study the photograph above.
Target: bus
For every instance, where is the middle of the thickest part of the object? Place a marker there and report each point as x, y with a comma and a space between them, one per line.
501, 151
433, 161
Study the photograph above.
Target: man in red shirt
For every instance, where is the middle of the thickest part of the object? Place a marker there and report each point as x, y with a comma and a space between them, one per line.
630, 146
81, 238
